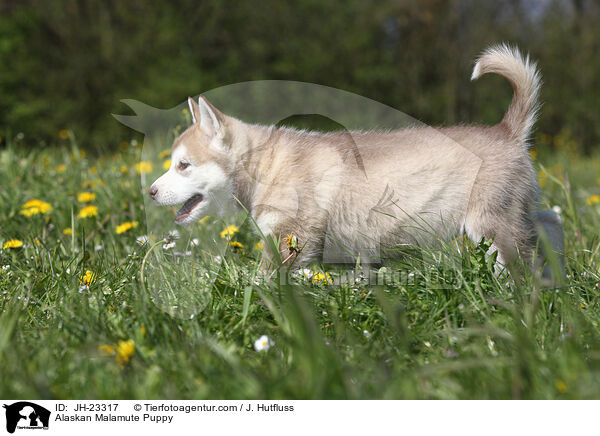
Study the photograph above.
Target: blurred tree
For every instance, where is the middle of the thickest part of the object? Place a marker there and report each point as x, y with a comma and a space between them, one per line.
67, 63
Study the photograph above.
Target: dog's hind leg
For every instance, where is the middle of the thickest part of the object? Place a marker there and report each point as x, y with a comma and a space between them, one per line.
513, 235
552, 245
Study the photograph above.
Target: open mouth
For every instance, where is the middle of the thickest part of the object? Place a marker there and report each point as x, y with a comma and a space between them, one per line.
188, 206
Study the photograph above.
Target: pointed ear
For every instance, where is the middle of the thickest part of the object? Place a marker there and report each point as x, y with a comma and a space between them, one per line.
211, 119
194, 110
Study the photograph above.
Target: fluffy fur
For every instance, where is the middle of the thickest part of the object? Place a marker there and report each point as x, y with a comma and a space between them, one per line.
362, 193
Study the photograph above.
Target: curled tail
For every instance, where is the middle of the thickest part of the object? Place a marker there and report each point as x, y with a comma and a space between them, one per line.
525, 79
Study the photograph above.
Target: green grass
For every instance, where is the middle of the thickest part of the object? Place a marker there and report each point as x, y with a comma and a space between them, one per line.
484, 337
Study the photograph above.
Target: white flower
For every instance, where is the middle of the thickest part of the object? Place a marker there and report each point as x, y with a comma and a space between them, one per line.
194, 242
173, 234
302, 272
169, 245
263, 343
142, 240
556, 209
99, 247
367, 334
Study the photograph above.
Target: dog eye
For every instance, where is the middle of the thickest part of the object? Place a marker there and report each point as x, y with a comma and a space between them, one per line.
183, 165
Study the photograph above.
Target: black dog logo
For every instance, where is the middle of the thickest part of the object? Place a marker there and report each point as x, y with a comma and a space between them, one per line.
27, 414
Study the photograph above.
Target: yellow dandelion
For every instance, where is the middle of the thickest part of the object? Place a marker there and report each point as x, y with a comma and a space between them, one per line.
125, 350
34, 207
593, 199
259, 246
63, 134
122, 228
61, 168
292, 242
32, 211
143, 331
68, 231
203, 220
166, 152
86, 197
229, 231
320, 278
37, 241
88, 212
143, 167
167, 164
13, 243
29, 212
124, 169
561, 386
88, 278
32, 203
236, 244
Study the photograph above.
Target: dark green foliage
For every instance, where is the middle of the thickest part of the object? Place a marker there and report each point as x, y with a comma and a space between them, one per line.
66, 64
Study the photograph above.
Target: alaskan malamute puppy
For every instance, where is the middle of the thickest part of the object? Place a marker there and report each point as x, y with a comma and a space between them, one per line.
412, 186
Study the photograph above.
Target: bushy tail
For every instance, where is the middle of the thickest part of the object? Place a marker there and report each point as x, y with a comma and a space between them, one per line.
525, 79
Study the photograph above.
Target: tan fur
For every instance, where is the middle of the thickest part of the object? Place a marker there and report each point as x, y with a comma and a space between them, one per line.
371, 191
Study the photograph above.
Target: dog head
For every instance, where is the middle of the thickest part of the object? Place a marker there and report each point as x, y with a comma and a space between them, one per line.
199, 176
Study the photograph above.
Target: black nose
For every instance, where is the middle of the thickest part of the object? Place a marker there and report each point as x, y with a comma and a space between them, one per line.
153, 191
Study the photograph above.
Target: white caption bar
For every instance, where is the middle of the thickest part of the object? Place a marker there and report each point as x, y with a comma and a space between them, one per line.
297, 417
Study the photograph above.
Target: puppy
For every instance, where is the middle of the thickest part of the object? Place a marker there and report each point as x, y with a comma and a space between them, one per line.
362, 193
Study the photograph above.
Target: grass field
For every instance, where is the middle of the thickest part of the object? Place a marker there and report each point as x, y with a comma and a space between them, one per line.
76, 321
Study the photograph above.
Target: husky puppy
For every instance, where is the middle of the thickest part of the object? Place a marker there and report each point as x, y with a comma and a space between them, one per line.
367, 191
